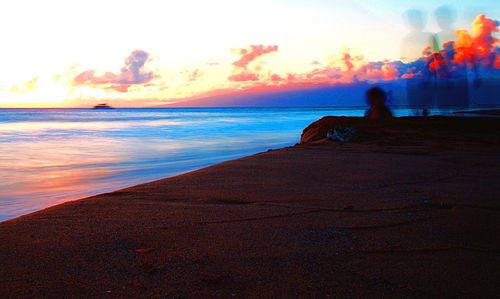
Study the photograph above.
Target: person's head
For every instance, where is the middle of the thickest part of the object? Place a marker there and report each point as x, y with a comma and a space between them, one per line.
415, 19
445, 17
376, 97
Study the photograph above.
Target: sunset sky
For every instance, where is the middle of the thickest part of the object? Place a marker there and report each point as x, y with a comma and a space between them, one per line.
148, 53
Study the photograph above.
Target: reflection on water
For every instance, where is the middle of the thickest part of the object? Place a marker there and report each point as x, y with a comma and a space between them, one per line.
49, 156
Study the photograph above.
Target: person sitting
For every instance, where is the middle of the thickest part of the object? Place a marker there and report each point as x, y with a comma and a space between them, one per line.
376, 98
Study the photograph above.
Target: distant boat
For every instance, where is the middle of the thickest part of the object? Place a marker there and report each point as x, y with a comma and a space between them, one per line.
102, 106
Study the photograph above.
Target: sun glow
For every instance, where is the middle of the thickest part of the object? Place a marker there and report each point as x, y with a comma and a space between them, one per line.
38, 92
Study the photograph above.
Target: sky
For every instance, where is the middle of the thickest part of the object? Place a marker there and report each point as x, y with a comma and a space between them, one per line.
149, 53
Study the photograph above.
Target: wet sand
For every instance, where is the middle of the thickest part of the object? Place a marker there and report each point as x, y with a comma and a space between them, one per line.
410, 210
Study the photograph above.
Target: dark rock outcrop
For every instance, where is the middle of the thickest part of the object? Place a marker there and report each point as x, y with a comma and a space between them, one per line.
405, 130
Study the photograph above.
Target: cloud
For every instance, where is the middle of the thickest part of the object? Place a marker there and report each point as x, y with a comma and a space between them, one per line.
26, 87
131, 74
195, 75
213, 62
477, 50
244, 76
381, 71
251, 54
276, 78
247, 56
350, 70
478, 45
411, 73
347, 59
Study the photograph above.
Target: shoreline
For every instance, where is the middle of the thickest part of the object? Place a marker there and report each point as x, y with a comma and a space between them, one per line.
94, 194
389, 215
120, 185
485, 112
133, 186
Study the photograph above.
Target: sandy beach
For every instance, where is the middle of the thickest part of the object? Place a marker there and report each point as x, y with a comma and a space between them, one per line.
410, 210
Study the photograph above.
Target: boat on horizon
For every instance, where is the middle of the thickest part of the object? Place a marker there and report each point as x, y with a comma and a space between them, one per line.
102, 106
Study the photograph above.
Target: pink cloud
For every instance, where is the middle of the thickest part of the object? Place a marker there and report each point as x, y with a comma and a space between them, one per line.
247, 56
276, 78
131, 74
347, 59
244, 76
374, 72
252, 53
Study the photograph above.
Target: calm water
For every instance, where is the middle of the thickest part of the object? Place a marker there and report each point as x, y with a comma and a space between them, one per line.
48, 156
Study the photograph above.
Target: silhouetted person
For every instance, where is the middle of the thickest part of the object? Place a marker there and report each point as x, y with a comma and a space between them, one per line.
376, 98
416, 40
445, 18
419, 88
450, 81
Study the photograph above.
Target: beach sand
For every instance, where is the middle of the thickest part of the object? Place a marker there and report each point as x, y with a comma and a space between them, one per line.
410, 210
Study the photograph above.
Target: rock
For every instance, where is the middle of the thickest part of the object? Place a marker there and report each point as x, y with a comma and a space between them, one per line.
342, 134
319, 129
406, 131
366, 129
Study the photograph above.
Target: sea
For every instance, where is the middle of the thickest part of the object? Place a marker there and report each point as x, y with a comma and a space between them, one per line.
50, 156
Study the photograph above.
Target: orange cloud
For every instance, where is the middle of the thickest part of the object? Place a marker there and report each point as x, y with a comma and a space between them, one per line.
474, 48
482, 32
477, 46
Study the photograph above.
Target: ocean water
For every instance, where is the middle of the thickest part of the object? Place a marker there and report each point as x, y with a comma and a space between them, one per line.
49, 156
